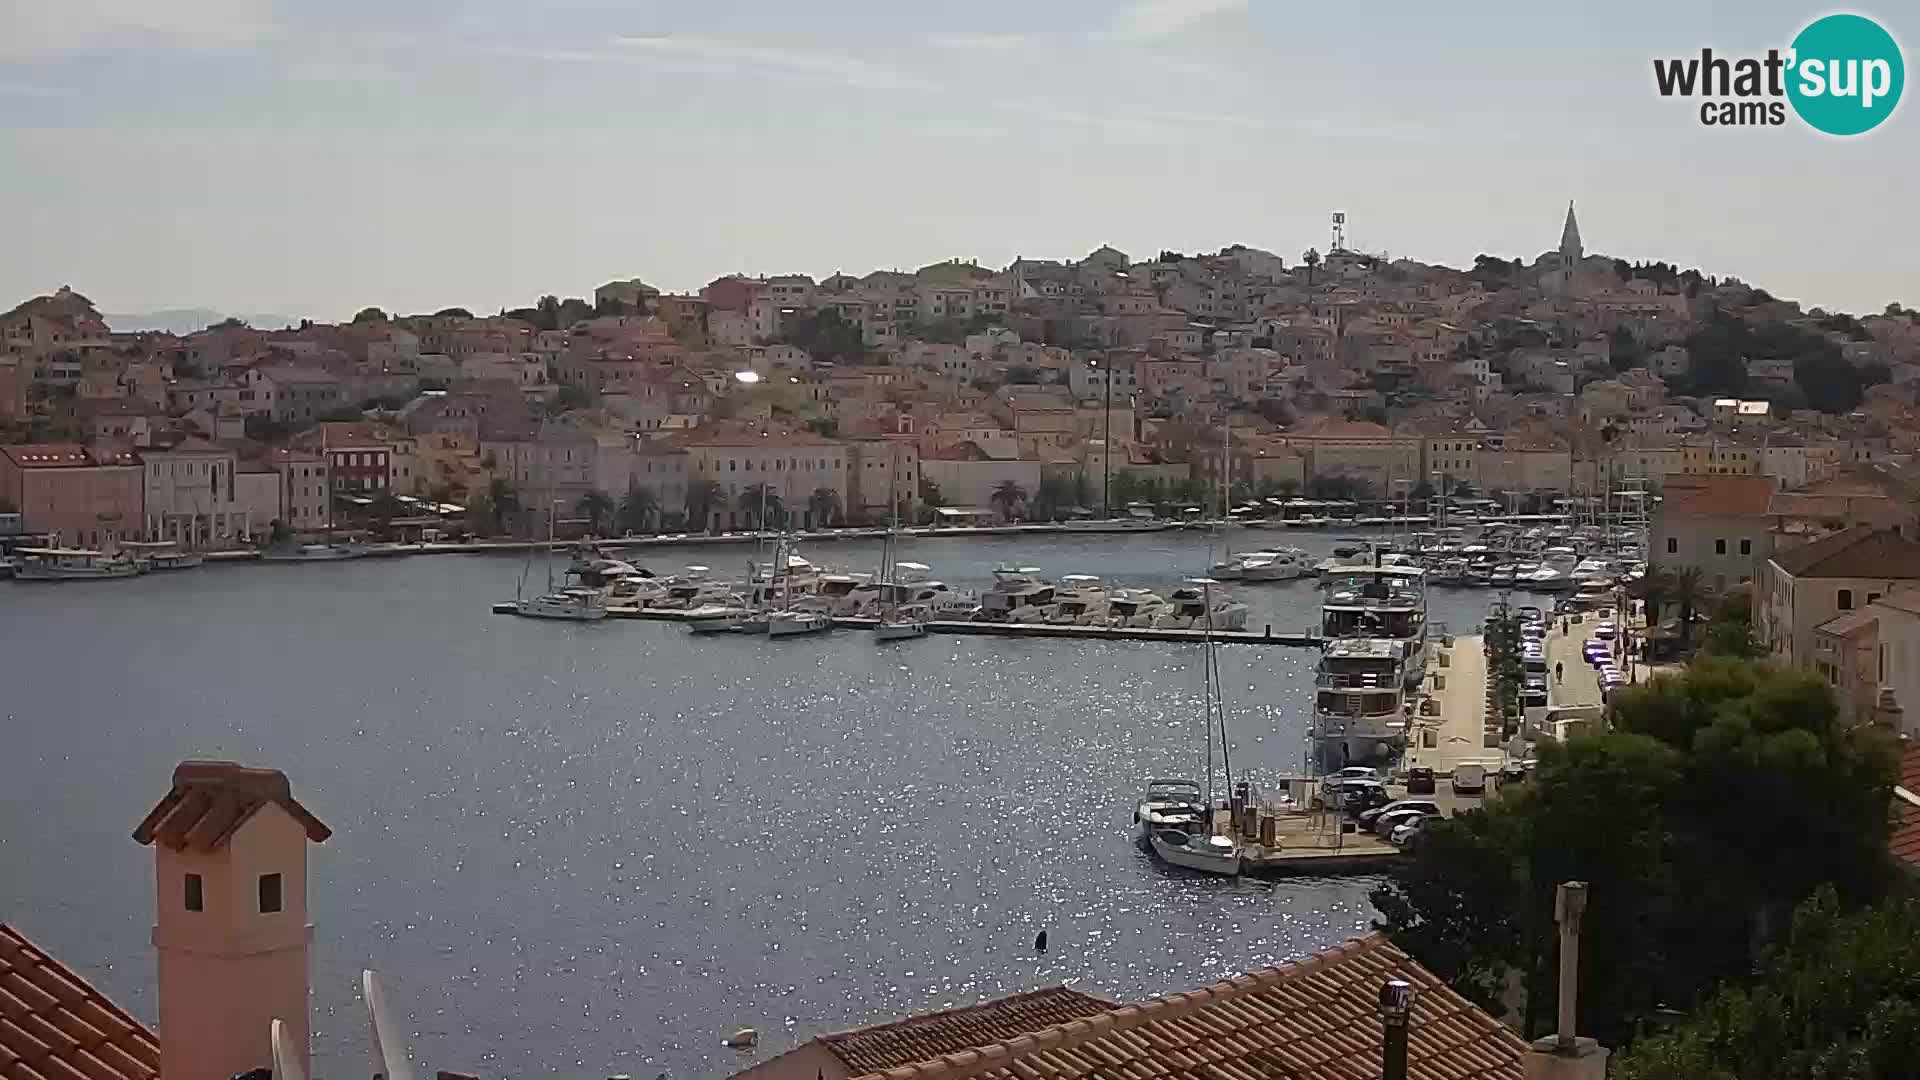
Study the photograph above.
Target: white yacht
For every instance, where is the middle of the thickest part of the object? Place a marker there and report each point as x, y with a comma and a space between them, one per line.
1380, 602
1201, 604
1284, 564
1553, 573
1168, 804
1207, 852
1135, 607
71, 564
577, 604
792, 622
1015, 592
1359, 706
1080, 600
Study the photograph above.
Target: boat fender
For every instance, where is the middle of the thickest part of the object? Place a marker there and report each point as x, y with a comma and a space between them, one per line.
744, 1039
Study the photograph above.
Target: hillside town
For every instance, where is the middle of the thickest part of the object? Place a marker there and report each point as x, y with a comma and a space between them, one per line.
1043, 390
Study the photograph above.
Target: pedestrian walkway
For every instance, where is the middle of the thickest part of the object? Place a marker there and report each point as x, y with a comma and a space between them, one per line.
1458, 733
1579, 683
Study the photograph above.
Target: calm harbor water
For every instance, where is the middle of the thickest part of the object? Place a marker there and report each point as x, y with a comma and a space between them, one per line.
589, 850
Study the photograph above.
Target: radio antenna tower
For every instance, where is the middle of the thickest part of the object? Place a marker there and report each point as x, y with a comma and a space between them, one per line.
1339, 231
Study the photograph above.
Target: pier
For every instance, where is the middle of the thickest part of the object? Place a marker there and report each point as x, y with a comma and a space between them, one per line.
988, 629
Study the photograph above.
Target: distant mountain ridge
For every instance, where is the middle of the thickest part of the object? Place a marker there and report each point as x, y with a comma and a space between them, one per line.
187, 320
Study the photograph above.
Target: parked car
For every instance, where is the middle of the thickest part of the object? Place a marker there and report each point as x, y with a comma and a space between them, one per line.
1351, 772
1403, 835
1469, 779
1425, 806
1359, 796
1606, 631
1384, 825
1420, 780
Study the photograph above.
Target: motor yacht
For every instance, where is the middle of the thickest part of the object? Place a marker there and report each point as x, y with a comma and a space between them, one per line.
1202, 604
1168, 804
1015, 593
574, 605
1283, 564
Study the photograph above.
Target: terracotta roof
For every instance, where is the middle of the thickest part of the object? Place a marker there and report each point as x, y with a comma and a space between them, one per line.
1860, 552
54, 1026
1905, 841
1313, 1019
210, 800
1718, 496
932, 1035
1329, 427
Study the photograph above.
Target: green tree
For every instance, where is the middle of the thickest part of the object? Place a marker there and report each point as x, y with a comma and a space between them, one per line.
278, 532
1654, 590
637, 509
597, 507
503, 502
1695, 761
824, 426
1007, 498
1624, 351
1838, 1001
1689, 592
1730, 633
827, 336
1055, 495
1311, 259
824, 507
702, 497
369, 315
453, 313
762, 507
548, 310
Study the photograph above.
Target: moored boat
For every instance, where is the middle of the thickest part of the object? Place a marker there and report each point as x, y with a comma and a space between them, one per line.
71, 564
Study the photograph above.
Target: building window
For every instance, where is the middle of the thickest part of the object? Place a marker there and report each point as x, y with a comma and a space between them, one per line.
1746, 547
1673, 545
196, 893
1720, 547
269, 893
1846, 599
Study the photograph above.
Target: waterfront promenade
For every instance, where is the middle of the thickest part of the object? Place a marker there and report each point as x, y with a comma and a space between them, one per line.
1457, 734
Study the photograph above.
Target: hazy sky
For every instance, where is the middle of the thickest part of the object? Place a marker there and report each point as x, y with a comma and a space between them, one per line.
310, 158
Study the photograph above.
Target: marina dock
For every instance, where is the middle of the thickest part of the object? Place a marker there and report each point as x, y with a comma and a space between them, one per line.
988, 629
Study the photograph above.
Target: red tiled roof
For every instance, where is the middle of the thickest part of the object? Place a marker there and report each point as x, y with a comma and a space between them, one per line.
1718, 496
55, 1026
1314, 1019
932, 1035
1860, 552
210, 800
1905, 841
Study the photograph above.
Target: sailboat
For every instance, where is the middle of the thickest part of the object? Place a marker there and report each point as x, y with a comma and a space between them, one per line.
896, 623
1196, 842
787, 620
575, 604
329, 551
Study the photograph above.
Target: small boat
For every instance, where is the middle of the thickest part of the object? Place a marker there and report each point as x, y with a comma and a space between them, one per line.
161, 555
1209, 853
790, 623
726, 620
1284, 564
574, 605
313, 552
1168, 804
906, 622
71, 564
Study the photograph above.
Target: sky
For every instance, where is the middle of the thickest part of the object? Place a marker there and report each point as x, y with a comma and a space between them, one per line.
313, 158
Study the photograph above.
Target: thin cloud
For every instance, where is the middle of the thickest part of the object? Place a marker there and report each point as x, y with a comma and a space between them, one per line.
984, 42
777, 62
1150, 20
34, 28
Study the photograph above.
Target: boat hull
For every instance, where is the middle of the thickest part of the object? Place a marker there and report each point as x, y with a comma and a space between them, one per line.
534, 609
788, 624
1171, 850
899, 631
29, 572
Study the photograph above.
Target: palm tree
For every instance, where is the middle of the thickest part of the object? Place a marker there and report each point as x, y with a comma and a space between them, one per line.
1312, 259
1690, 593
750, 504
823, 506
549, 308
701, 495
1007, 497
1654, 590
595, 506
503, 501
637, 509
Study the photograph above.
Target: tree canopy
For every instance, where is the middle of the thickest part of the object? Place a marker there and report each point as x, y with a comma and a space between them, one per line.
1838, 1001
369, 314
826, 336
1729, 756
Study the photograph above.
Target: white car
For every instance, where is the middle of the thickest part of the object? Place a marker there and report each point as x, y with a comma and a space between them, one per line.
1606, 631
1384, 825
1403, 835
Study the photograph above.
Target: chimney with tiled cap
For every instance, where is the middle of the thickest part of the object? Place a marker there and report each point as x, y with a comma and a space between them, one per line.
1566, 1056
1396, 1012
230, 926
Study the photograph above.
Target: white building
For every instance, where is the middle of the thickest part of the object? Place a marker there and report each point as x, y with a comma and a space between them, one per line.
190, 495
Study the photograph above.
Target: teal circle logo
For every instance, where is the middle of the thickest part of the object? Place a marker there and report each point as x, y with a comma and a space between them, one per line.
1847, 74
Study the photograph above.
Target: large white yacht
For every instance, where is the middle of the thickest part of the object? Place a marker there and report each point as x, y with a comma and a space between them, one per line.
1360, 700
1283, 564
1202, 604
1383, 602
1016, 590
